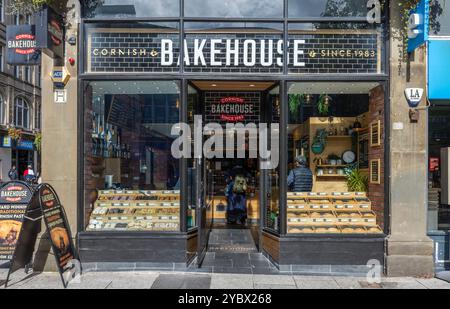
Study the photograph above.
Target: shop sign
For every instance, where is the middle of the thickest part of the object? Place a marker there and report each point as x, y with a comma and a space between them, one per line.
418, 25
14, 199
232, 109
6, 142
434, 164
50, 32
235, 52
21, 45
25, 145
60, 96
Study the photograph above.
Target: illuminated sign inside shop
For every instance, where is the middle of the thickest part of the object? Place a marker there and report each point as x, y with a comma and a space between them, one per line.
232, 109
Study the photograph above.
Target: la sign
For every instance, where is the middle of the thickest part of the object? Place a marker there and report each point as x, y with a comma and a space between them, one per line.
414, 96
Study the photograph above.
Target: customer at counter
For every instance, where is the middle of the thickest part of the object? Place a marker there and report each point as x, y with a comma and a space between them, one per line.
300, 179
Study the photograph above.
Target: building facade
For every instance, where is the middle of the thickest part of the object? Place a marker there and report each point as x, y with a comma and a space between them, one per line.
336, 93
20, 104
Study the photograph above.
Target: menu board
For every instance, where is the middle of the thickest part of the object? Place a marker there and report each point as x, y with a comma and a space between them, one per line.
57, 226
14, 200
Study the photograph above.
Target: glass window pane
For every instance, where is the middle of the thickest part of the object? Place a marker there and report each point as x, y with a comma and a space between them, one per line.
131, 8
327, 8
234, 8
335, 158
132, 180
440, 18
132, 47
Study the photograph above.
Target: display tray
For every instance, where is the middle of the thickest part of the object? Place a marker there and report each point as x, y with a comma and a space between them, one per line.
135, 210
349, 212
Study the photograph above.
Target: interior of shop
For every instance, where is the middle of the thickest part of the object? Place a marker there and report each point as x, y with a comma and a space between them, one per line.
337, 129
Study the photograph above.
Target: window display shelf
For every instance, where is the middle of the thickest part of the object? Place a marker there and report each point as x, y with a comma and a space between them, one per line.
136, 210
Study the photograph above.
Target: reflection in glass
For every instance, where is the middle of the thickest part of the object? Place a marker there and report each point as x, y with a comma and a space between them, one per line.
327, 8
131, 8
132, 181
234, 8
440, 17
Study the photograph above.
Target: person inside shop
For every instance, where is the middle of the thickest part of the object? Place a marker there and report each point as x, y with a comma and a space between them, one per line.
13, 174
236, 198
29, 174
300, 179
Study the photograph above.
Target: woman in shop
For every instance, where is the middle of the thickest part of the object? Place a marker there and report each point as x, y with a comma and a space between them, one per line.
236, 198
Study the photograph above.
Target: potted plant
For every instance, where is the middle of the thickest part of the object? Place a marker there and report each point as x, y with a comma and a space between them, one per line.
333, 159
357, 181
323, 105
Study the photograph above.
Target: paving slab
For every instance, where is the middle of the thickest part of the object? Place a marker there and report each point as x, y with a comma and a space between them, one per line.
313, 282
273, 280
274, 287
434, 284
230, 281
182, 281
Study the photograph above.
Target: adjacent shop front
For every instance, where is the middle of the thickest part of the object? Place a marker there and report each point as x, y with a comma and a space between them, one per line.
438, 137
316, 77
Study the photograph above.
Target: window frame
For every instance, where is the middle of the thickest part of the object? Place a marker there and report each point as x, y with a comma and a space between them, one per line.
24, 105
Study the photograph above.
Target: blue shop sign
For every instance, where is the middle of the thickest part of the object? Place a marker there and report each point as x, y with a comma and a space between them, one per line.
25, 145
6, 142
418, 25
439, 70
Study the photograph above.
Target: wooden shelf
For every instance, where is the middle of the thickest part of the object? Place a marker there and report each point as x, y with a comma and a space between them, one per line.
330, 165
339, 136
331, 176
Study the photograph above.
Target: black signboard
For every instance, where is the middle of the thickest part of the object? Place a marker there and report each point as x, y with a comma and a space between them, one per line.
14, 199
58, 229
50, 32
21, 45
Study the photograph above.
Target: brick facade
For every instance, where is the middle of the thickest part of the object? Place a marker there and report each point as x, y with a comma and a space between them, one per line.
377, 191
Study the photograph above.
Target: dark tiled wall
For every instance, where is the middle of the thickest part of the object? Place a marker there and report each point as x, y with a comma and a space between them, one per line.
314, 44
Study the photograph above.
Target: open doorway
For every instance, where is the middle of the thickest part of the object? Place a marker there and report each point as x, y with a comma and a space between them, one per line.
231, 185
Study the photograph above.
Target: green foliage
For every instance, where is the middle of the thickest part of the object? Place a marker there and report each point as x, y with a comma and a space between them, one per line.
323, 106
38, 141
357, 182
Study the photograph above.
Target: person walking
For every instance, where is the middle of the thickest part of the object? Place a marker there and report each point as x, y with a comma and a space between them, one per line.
13, 174
300, 179
29, 175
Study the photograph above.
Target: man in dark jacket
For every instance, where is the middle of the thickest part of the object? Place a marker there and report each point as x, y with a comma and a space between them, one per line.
300, 179
13, 174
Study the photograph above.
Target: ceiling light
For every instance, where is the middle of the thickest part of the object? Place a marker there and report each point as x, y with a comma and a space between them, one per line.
252, 85
213, 85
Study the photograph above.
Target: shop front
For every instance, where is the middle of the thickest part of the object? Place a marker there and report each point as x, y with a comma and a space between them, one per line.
316, 78
438, 137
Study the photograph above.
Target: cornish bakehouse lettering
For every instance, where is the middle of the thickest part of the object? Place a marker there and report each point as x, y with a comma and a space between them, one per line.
234, 53
232, 109
23, 44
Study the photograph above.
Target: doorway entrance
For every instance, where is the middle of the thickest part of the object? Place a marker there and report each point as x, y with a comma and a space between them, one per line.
230, 196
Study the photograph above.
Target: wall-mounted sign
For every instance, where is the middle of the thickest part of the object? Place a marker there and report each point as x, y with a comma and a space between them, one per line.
60, 96
414, 96
21, 45
246, 52
418, 25
60, 77
6, 142
232, 109
25, 145
434, 164
50, 32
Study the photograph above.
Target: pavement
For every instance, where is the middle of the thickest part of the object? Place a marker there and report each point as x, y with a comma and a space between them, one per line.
188, 280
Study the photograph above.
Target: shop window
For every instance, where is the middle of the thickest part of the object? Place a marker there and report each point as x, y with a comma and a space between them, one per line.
333, 188
21, 113
234, 8
438, 177
1, 57
2, 110
110, 9
2, 7
38, 115
439, 18
132, 181
327, 8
